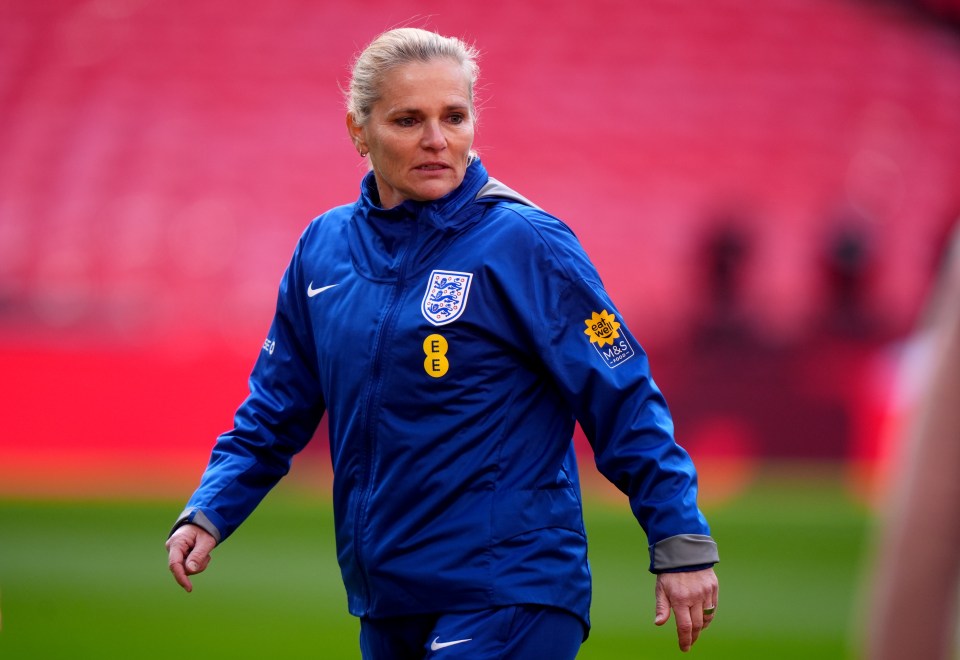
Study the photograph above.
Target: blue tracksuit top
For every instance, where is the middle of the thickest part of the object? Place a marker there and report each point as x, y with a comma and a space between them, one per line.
453, 344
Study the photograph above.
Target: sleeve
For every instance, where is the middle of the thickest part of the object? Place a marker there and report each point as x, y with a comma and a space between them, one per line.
277, 419
604, 374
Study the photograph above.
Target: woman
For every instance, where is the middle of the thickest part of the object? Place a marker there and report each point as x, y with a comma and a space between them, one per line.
453, 333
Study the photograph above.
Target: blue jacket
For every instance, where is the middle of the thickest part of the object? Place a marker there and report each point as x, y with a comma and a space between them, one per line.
452, 345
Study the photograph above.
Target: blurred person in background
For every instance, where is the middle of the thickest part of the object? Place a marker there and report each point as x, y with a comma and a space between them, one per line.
912, 612
453, 333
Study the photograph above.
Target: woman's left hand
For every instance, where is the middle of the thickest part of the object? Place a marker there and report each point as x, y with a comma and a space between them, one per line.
693, 598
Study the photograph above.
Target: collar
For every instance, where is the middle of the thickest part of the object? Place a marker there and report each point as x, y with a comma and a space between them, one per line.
402, 241
442, 213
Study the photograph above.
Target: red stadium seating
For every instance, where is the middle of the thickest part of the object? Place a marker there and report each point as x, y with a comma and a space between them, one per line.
158, 161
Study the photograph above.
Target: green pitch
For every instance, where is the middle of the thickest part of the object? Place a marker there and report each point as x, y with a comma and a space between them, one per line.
89, 580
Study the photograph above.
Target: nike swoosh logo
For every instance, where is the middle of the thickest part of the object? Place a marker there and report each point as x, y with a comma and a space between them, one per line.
311, 292
436, 645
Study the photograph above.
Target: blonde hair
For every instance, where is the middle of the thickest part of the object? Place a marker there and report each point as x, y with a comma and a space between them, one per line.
403, 46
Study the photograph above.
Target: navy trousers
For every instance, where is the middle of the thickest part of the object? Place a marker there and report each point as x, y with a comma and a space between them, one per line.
518, 632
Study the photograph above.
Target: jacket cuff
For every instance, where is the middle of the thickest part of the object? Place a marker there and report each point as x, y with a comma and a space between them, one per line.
683, 551
195, 516
686, 569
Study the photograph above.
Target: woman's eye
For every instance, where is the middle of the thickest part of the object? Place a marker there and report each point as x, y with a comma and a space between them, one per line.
406, 121
457, 119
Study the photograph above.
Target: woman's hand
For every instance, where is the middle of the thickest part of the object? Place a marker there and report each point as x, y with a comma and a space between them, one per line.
692, 597
189, 553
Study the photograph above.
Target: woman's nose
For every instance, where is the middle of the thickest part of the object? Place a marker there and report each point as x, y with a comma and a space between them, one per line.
433, 137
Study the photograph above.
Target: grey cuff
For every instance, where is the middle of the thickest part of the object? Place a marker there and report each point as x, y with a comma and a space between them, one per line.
194, 516
683, 550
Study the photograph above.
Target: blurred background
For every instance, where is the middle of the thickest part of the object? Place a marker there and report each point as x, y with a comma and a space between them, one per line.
766, 189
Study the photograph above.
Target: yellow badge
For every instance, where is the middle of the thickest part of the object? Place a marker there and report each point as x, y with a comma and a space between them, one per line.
602, 328
436, 363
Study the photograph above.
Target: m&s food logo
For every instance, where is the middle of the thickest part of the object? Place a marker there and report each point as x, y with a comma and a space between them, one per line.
604, 332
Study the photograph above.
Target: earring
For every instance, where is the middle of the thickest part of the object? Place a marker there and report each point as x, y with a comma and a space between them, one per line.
363, 154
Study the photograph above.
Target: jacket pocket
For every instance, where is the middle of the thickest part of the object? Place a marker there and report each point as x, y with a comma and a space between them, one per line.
521, 511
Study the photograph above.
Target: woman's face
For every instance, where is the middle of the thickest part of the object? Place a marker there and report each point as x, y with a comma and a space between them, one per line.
419, 133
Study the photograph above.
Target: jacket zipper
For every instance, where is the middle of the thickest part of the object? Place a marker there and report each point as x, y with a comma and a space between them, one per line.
371, 410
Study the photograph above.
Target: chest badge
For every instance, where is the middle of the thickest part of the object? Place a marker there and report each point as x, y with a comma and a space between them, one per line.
446, 296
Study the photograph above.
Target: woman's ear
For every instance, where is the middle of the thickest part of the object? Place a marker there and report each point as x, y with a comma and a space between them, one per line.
355, 131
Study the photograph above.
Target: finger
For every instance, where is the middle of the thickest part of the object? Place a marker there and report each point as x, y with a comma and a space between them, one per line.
708, 614
696, 619
707, 620
710, 611
176, 564
197, 562
685, 636
663, 605
199, 557
180, 575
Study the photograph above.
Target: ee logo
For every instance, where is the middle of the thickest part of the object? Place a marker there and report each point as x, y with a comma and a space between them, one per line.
436, 363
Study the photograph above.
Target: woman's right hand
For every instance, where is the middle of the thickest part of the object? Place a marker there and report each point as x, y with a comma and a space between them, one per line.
189, 550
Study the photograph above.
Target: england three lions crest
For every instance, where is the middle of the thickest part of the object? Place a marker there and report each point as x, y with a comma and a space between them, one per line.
446, 296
